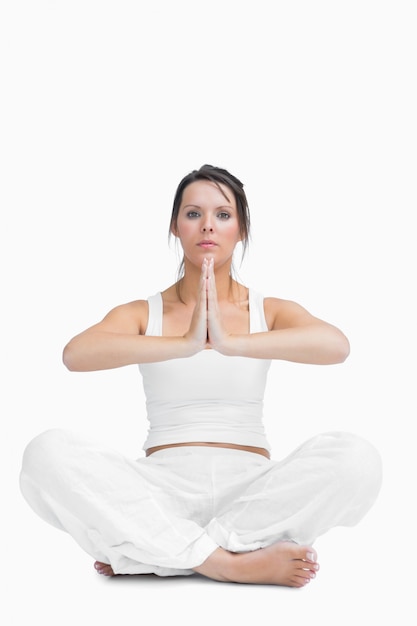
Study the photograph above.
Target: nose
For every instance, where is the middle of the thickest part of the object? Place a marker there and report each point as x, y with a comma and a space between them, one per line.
207, 226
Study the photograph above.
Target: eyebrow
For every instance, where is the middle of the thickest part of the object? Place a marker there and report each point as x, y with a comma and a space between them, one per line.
196, 206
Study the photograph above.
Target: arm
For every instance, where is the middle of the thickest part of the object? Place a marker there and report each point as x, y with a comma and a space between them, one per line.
119, 340
294, 335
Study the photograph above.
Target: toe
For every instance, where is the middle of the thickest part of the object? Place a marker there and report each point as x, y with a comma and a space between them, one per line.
103, 568
311, 555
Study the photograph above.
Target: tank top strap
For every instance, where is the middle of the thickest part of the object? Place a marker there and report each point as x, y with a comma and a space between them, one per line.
155, 307
256, 312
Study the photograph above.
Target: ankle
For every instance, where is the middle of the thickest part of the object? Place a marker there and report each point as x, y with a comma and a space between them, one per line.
218, 566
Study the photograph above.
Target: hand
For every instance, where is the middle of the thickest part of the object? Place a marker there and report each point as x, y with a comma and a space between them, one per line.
206, 328
197, 334
217, 336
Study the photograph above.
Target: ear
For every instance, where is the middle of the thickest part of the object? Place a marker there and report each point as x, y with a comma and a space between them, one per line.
174, 230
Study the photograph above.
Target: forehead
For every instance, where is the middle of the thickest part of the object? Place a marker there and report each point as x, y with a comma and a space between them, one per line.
206, 192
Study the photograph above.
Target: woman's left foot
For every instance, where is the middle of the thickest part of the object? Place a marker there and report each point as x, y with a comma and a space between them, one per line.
104, 569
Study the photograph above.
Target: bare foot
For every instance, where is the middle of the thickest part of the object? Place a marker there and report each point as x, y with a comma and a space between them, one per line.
104, 569
284, 563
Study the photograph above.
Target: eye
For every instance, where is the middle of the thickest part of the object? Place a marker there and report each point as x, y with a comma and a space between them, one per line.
224, 215
193, 214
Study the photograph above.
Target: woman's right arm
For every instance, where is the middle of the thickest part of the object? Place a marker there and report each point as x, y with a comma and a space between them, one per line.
119, 340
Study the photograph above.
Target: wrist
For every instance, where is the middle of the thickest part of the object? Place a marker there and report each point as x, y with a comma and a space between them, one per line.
191, 346
231, 345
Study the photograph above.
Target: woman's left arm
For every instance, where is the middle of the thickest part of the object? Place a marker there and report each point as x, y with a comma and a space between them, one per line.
294, 335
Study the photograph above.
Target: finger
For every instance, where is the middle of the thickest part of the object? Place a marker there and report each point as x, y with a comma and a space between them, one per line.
204, 282
212, 291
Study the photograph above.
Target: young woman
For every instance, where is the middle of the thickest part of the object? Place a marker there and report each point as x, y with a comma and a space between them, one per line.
206, 497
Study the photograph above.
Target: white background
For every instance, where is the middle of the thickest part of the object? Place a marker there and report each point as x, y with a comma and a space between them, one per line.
105, 106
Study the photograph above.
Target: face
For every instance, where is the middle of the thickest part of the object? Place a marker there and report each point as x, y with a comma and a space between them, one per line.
207, 224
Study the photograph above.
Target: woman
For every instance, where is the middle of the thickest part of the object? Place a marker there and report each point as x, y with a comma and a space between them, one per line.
206, 498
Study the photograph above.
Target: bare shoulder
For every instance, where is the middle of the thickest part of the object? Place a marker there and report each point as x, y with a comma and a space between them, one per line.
129, 318
281, 313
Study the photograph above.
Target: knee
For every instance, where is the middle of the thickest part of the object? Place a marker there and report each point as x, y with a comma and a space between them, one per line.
358, 462
44, 451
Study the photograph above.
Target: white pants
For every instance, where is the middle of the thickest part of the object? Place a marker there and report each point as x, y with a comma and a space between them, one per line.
166, 513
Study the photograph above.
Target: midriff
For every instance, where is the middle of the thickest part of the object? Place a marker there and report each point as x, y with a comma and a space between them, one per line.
233, 446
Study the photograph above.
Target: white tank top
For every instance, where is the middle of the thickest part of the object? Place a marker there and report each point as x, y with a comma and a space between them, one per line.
207, 397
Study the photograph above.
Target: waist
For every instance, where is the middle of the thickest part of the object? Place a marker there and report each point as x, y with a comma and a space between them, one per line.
233, 446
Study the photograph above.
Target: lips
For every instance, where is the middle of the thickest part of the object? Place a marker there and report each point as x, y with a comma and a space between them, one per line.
207, 243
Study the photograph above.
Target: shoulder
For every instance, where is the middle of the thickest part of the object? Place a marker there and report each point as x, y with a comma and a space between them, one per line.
280, 313
130, 317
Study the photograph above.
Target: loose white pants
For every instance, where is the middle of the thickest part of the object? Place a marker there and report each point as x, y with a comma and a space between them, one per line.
166, 513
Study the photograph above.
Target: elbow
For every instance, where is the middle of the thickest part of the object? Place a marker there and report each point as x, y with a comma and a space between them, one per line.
341, 349
69, 358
